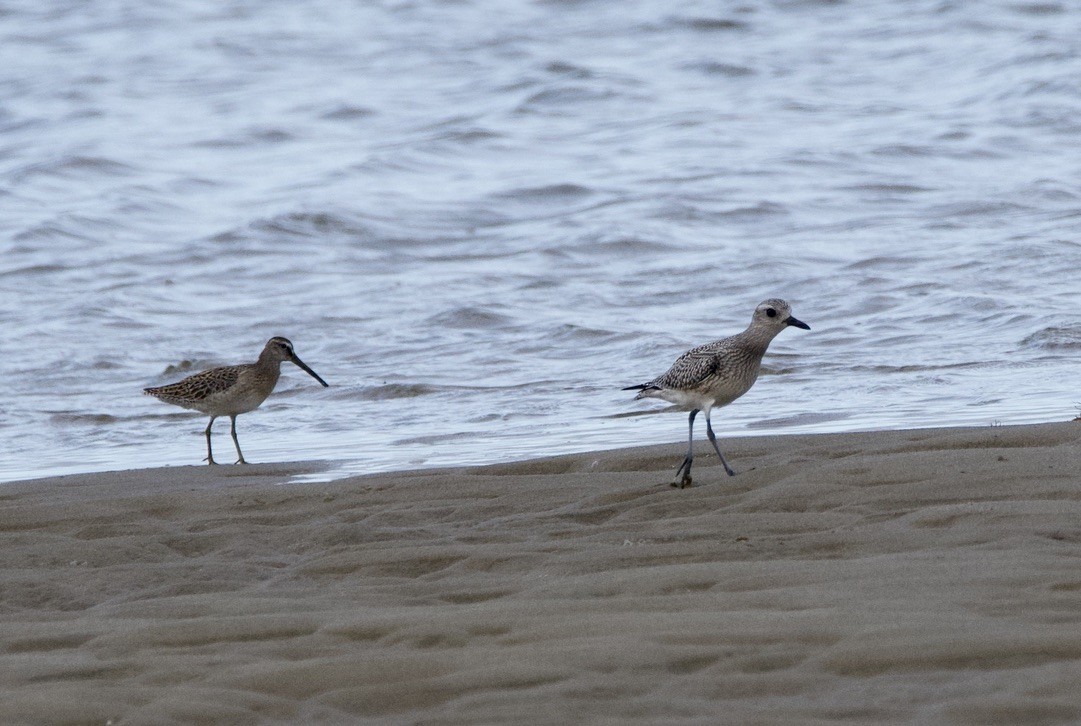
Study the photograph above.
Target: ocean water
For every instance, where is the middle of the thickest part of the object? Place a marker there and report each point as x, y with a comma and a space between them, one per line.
478, 221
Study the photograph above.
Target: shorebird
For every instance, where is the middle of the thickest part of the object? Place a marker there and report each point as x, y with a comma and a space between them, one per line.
717, 373
232, 390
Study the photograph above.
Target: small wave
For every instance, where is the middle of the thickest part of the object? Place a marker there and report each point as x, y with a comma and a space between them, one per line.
432, 439
314, 225
977, 209
709, 25
1052, 190
727, 70
569, 70
547, 194
83, 418
570, 332
489, 418
562, 96
59, 230
1054, 338
534, 203
905, 150
458, 129
573, 339
469, 135
31, 270
469, 318
762, 209
250, 137
1039, 8
347, 112
184, 366
391, 391
888, 188
686, 210
75, 166
628, 245
883, 262
800, 419
911, 368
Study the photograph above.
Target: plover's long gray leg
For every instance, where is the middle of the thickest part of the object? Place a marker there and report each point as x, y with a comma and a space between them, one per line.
685, 467
237, 443
713, 440
209, 450
715, 374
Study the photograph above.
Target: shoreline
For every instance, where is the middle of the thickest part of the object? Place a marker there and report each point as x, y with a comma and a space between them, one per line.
835, 572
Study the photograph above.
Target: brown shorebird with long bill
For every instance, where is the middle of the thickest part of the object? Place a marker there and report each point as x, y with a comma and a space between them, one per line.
717, 373
232, 390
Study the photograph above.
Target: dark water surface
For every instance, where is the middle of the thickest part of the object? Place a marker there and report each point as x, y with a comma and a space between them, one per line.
478, 221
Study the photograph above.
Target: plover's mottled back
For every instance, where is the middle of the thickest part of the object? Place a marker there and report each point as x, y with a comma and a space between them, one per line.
717, 373
232, 390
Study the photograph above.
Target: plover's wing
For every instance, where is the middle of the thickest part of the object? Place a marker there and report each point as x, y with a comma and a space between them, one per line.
694, 368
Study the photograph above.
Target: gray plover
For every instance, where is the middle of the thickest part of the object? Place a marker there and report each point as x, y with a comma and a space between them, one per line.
232, 390
717, 373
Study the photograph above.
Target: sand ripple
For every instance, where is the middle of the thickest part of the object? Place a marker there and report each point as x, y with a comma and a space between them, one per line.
922, 576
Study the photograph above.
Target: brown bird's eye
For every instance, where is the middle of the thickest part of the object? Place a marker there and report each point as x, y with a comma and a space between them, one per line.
771, 312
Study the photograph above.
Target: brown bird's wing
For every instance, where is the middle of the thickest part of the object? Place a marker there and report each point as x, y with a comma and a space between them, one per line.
199, 387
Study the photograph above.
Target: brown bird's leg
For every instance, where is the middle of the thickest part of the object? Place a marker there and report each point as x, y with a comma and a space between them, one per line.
209, 450
237, 443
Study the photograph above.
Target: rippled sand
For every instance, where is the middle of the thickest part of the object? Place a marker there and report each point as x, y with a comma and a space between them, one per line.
927, 576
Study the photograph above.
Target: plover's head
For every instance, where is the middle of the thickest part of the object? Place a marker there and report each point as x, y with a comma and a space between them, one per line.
775, 314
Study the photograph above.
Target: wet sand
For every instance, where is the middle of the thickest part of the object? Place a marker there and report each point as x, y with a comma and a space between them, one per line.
926, 576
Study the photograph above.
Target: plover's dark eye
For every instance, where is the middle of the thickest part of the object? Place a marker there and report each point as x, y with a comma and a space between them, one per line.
771, 312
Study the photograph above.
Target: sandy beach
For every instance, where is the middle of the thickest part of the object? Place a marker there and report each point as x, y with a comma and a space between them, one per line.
925, 576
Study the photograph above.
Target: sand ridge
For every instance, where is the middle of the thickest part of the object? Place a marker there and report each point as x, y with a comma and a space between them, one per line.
927, 576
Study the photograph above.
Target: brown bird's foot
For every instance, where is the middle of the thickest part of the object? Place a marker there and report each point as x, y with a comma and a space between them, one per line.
241, 461
684, 472
683, 483
211, 462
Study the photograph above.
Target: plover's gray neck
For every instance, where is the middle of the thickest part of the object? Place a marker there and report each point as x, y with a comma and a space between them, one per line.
758, 337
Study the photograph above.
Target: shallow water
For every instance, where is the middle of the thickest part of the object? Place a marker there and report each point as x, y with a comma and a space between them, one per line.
478, 223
